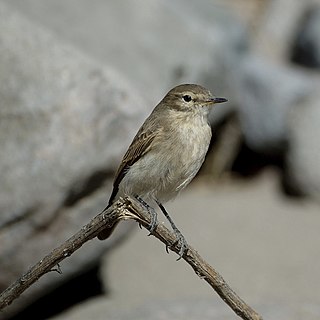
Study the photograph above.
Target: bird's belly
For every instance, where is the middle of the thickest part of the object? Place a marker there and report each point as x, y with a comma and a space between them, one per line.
164, 171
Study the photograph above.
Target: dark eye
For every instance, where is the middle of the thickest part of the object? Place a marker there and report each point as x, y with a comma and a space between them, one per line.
186, 98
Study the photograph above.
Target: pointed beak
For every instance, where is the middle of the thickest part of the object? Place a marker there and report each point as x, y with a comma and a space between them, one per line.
218, 100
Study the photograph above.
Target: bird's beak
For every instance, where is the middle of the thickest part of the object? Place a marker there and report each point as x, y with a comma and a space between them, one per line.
218, 100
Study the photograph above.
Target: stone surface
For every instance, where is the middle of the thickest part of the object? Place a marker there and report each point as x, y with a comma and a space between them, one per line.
276, 27
64, 123
264, 93
155, 44
262, 243
303, 157
306, 47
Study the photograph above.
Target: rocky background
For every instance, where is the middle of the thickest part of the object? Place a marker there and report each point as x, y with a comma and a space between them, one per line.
78, 77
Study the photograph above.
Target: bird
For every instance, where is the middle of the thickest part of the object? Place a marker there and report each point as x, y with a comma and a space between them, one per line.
166, 153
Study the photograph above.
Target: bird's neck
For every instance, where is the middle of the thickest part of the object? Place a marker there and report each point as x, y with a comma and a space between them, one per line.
197, 116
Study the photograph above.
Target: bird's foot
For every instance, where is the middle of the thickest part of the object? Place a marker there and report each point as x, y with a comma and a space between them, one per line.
180, 240
153, 215
182, 243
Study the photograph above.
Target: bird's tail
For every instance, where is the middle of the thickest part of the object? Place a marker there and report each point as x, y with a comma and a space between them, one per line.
106, 233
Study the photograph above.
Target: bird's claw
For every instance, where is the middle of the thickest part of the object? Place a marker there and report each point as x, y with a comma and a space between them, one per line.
183, 245
153, 223
181, 242
152, 213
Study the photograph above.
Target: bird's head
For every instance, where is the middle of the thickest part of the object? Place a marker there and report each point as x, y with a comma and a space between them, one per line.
190, 97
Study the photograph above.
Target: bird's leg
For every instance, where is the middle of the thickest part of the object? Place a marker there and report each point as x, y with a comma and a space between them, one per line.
180, 238
152, 213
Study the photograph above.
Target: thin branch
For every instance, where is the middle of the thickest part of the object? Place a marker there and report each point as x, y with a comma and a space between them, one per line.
125, 209
198, 264
50, 261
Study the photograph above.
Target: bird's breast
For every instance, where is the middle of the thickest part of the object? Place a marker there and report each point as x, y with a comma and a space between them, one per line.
172, 162
184, 153
192, 142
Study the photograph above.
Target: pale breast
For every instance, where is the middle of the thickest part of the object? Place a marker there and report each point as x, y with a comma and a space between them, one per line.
172, 163
195, 140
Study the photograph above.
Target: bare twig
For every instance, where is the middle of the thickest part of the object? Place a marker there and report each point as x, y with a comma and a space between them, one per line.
124, 209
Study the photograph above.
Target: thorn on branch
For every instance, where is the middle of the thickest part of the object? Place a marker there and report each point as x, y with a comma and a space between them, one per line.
56, 269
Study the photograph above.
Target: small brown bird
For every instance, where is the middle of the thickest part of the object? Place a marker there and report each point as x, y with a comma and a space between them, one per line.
166, 153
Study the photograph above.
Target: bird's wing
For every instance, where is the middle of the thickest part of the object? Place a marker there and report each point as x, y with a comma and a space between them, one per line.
141, 144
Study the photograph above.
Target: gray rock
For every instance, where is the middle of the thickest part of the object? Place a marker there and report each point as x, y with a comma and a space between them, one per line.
275, 28
303, 156
64, 122
264, 93
306, 47
156, 44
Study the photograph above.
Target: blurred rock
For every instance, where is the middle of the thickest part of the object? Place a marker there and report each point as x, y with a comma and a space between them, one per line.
275, 28
264, 93
248, 11
64, 123
303, 157
155, 44
306, 47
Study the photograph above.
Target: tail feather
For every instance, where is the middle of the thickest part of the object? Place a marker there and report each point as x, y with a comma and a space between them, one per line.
106, 233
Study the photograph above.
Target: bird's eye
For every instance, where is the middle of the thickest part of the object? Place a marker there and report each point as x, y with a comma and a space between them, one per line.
186, 98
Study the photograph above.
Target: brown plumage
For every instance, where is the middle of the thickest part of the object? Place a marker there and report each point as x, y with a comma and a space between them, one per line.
168, 150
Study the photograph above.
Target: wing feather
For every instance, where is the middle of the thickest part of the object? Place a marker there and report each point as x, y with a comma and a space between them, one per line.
140, 145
